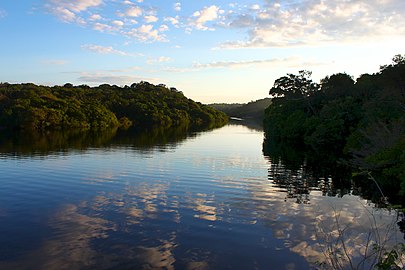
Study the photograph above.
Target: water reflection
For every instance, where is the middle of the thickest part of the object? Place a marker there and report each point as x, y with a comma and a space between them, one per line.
299, 171
204, 201
340, 227
31, 143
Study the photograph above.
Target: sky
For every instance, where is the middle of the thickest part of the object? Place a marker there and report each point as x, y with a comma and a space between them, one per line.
212, 51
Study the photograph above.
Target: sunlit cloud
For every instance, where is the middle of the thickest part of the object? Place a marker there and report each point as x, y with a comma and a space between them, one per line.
67, 11
315, 22
173, 20
201, 17
264, 24
95, 17
161, 59
146, 32
151, 19
100, 78
134, 11
103, 50
118, 23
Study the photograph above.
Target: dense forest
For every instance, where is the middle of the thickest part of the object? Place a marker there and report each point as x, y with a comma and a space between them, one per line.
253, 110
358, 124
30, 106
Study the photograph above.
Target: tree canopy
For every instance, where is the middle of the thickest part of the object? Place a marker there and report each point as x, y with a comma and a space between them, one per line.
30, 106
361, 122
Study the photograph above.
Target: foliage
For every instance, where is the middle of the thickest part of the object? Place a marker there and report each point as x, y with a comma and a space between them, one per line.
360, 123
29, 106
253, 110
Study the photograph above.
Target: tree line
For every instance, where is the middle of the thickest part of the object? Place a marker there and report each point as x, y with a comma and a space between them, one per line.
37, 107
358, 123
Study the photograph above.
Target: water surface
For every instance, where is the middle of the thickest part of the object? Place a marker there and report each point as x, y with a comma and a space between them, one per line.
167, 200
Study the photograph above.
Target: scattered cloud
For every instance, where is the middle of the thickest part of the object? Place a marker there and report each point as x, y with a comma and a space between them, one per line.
95, 17
118, 23
289, 62
134, 11
145, 33
313, 22
161, 59
68, 11
151, 19
107, 78
264, 23
163, 28
103, 50
173, 20
275, 62
207, 14
177, 6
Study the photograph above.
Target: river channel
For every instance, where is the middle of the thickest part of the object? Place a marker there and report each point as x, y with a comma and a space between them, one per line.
171, 200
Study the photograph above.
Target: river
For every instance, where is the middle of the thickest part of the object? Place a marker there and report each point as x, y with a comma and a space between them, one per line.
172, 200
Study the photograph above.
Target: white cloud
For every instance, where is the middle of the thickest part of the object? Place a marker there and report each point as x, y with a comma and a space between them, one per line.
134, 11
102, 77
163, 28
255, 7
145, 33
161, 59
118, 23
64, 14
177, 6
102, 27
95, 17
173, 20
68, 11
290, 61
151, 19
103, 50
207, 14
316, 21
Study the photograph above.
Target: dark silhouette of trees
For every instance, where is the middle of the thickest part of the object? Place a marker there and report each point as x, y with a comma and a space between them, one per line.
360, 123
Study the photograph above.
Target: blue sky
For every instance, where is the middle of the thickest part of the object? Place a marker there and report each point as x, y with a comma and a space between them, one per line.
213, 51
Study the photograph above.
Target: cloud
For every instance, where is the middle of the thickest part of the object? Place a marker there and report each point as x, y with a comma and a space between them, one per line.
134, 11
151, 19
173, 20
103, 50
118, 23
289, 62
95, 17
161, 59
296, 23
207, 14
163, 28
145, 33
249, 63
67, 11
177, 6
107, 78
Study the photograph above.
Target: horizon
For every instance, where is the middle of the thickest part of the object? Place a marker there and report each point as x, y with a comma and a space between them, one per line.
214, 52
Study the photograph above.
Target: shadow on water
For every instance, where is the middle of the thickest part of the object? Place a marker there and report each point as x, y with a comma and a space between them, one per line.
31, 143
298, 172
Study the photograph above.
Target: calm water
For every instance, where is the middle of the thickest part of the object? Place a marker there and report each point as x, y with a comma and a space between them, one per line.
167, 200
